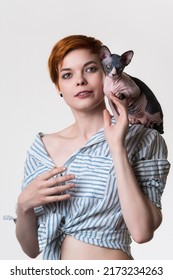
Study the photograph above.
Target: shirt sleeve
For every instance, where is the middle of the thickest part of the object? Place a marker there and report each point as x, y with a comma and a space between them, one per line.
151, 166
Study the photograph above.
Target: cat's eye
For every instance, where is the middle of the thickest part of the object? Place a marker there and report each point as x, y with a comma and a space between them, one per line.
108, 66
120, 70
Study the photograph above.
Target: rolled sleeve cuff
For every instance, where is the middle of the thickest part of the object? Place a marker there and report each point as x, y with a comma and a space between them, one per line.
152, 176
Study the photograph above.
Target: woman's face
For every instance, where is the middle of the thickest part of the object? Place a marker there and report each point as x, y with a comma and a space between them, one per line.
81, 80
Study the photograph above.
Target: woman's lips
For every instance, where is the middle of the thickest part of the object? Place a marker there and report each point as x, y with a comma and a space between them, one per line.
83, 93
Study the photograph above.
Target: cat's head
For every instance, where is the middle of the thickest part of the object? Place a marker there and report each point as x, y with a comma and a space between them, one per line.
114, 64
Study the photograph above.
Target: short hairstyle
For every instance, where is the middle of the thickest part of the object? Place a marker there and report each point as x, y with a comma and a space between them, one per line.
64, 46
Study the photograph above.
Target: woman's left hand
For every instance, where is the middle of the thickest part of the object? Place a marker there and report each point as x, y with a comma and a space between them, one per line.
115, 134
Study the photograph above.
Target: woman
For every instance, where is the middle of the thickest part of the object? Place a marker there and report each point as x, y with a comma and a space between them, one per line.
91, 186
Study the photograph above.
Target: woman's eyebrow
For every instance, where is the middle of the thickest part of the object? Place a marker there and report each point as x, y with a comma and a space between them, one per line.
64, 69
85, 64
90, 62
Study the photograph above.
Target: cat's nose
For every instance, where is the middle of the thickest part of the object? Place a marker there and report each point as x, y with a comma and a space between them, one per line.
113, 75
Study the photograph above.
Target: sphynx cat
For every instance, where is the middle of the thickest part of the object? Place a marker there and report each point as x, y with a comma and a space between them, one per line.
144, 107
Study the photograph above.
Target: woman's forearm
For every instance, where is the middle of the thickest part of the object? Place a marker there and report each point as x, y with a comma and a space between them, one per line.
140, 215
26, 231
40, 191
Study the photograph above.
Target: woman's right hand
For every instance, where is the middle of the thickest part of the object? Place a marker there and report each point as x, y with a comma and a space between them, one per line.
46, 188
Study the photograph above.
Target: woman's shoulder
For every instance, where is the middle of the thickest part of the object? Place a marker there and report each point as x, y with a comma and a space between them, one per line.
59, 135
138, 129
57, 140
139, 136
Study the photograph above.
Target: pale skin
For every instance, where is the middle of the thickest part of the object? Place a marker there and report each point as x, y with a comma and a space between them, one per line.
81, 83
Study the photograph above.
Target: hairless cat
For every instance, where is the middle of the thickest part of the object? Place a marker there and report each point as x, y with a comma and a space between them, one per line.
144, 107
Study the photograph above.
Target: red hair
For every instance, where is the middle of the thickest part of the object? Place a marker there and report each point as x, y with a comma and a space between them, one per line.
64, 46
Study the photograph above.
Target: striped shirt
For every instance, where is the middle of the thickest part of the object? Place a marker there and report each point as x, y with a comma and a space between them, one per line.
93, 213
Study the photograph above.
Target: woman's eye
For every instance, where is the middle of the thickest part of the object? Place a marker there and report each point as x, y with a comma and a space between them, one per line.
91, 69
67, 76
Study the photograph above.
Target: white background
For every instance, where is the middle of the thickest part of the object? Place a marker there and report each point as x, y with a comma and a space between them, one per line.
29, 102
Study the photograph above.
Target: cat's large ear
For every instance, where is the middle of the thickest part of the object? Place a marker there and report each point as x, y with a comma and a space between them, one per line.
126, 57
104, 53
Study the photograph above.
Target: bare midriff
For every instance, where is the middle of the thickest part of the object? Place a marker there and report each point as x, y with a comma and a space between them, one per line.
73, 249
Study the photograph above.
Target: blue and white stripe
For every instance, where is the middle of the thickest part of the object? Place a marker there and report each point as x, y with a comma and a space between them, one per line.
93, 214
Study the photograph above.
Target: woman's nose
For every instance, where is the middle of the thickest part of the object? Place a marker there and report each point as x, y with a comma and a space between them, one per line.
81, 81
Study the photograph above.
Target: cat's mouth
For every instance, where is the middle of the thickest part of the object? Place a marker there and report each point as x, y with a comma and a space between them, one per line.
114, 76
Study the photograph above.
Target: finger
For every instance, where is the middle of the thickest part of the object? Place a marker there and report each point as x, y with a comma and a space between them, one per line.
60, 189
59, 180
51, 173
114, 98
56, 198
121, 105
121, 102
106, 118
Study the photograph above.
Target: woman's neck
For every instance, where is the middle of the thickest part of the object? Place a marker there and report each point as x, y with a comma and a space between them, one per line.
87, 124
